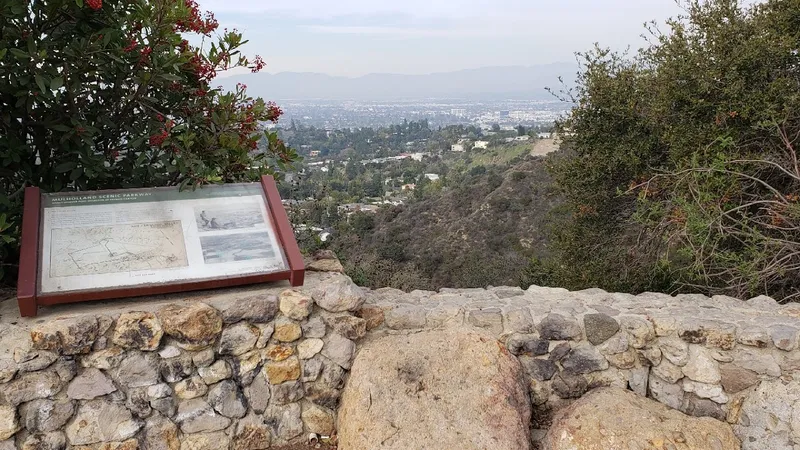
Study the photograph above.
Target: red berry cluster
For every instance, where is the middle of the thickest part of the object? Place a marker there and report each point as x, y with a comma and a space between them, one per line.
258, 64
274, 112
131, 45
202, 69
144, 54
157, 139
195, 22
94, 4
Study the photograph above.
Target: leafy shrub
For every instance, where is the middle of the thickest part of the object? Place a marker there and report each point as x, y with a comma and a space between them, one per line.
101, 94
684, 173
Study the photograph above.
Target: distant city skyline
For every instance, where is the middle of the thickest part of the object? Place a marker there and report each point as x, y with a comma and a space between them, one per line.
357, 37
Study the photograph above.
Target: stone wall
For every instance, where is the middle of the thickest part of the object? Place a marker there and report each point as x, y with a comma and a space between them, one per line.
243, 369
261, 367
737, 361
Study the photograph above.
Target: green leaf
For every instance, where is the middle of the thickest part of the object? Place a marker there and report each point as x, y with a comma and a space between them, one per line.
79, 3
56, 83
19, 53
40, 82
137, 142
3, 52
76, 173
66, 166
60, 127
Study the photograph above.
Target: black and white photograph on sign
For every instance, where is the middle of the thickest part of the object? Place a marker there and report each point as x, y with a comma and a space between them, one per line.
228, 217
236, 247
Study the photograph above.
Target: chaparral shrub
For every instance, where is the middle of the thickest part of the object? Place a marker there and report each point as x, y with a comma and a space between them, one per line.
99, 94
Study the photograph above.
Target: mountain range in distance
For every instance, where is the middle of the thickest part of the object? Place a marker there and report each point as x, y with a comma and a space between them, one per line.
487, 83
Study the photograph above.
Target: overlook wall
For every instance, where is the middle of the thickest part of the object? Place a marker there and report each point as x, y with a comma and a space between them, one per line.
265, 366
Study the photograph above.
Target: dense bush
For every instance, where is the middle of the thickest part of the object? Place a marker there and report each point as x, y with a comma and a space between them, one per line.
684, 173
99, 94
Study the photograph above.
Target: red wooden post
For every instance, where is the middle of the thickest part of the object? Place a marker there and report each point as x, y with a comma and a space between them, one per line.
29, 253
284, 231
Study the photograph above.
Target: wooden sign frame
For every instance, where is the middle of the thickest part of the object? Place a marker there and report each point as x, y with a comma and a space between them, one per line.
30, 294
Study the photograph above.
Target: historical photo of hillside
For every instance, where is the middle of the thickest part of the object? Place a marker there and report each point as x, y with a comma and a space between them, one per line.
228, 217
236, 247
117, 249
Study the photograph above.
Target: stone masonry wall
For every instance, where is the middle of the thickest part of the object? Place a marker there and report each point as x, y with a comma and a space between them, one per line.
737, 361
245, 369
261, 367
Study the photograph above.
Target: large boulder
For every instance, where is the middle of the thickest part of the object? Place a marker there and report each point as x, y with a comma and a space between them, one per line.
613, 418
418, 391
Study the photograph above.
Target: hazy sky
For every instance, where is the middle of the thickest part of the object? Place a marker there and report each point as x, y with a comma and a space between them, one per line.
355, 37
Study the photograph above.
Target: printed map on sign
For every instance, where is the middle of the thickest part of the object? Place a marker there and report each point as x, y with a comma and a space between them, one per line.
118, 248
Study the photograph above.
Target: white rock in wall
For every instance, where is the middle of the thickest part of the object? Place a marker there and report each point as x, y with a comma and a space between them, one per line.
754, 336
701, 366
771, 417
216, 372
338, 294
667, 393
295, 304
675, 350
309, 347
101, 421
285, 420
668, 372
197, 416
339, 350
8, 422
92, 383
710, 391
238, 339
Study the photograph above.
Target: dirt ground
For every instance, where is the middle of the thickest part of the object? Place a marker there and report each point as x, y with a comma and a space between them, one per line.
545, 146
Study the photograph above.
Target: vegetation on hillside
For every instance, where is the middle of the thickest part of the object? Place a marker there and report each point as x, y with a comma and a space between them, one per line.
98, 94
684, 174
478, 224
481, 230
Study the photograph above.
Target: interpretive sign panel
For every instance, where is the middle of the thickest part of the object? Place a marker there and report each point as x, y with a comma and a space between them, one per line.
107, 244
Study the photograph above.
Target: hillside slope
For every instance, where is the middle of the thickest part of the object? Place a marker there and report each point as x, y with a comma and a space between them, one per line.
482, 231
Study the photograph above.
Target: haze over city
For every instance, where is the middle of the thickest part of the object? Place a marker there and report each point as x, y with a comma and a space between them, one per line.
358, 37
